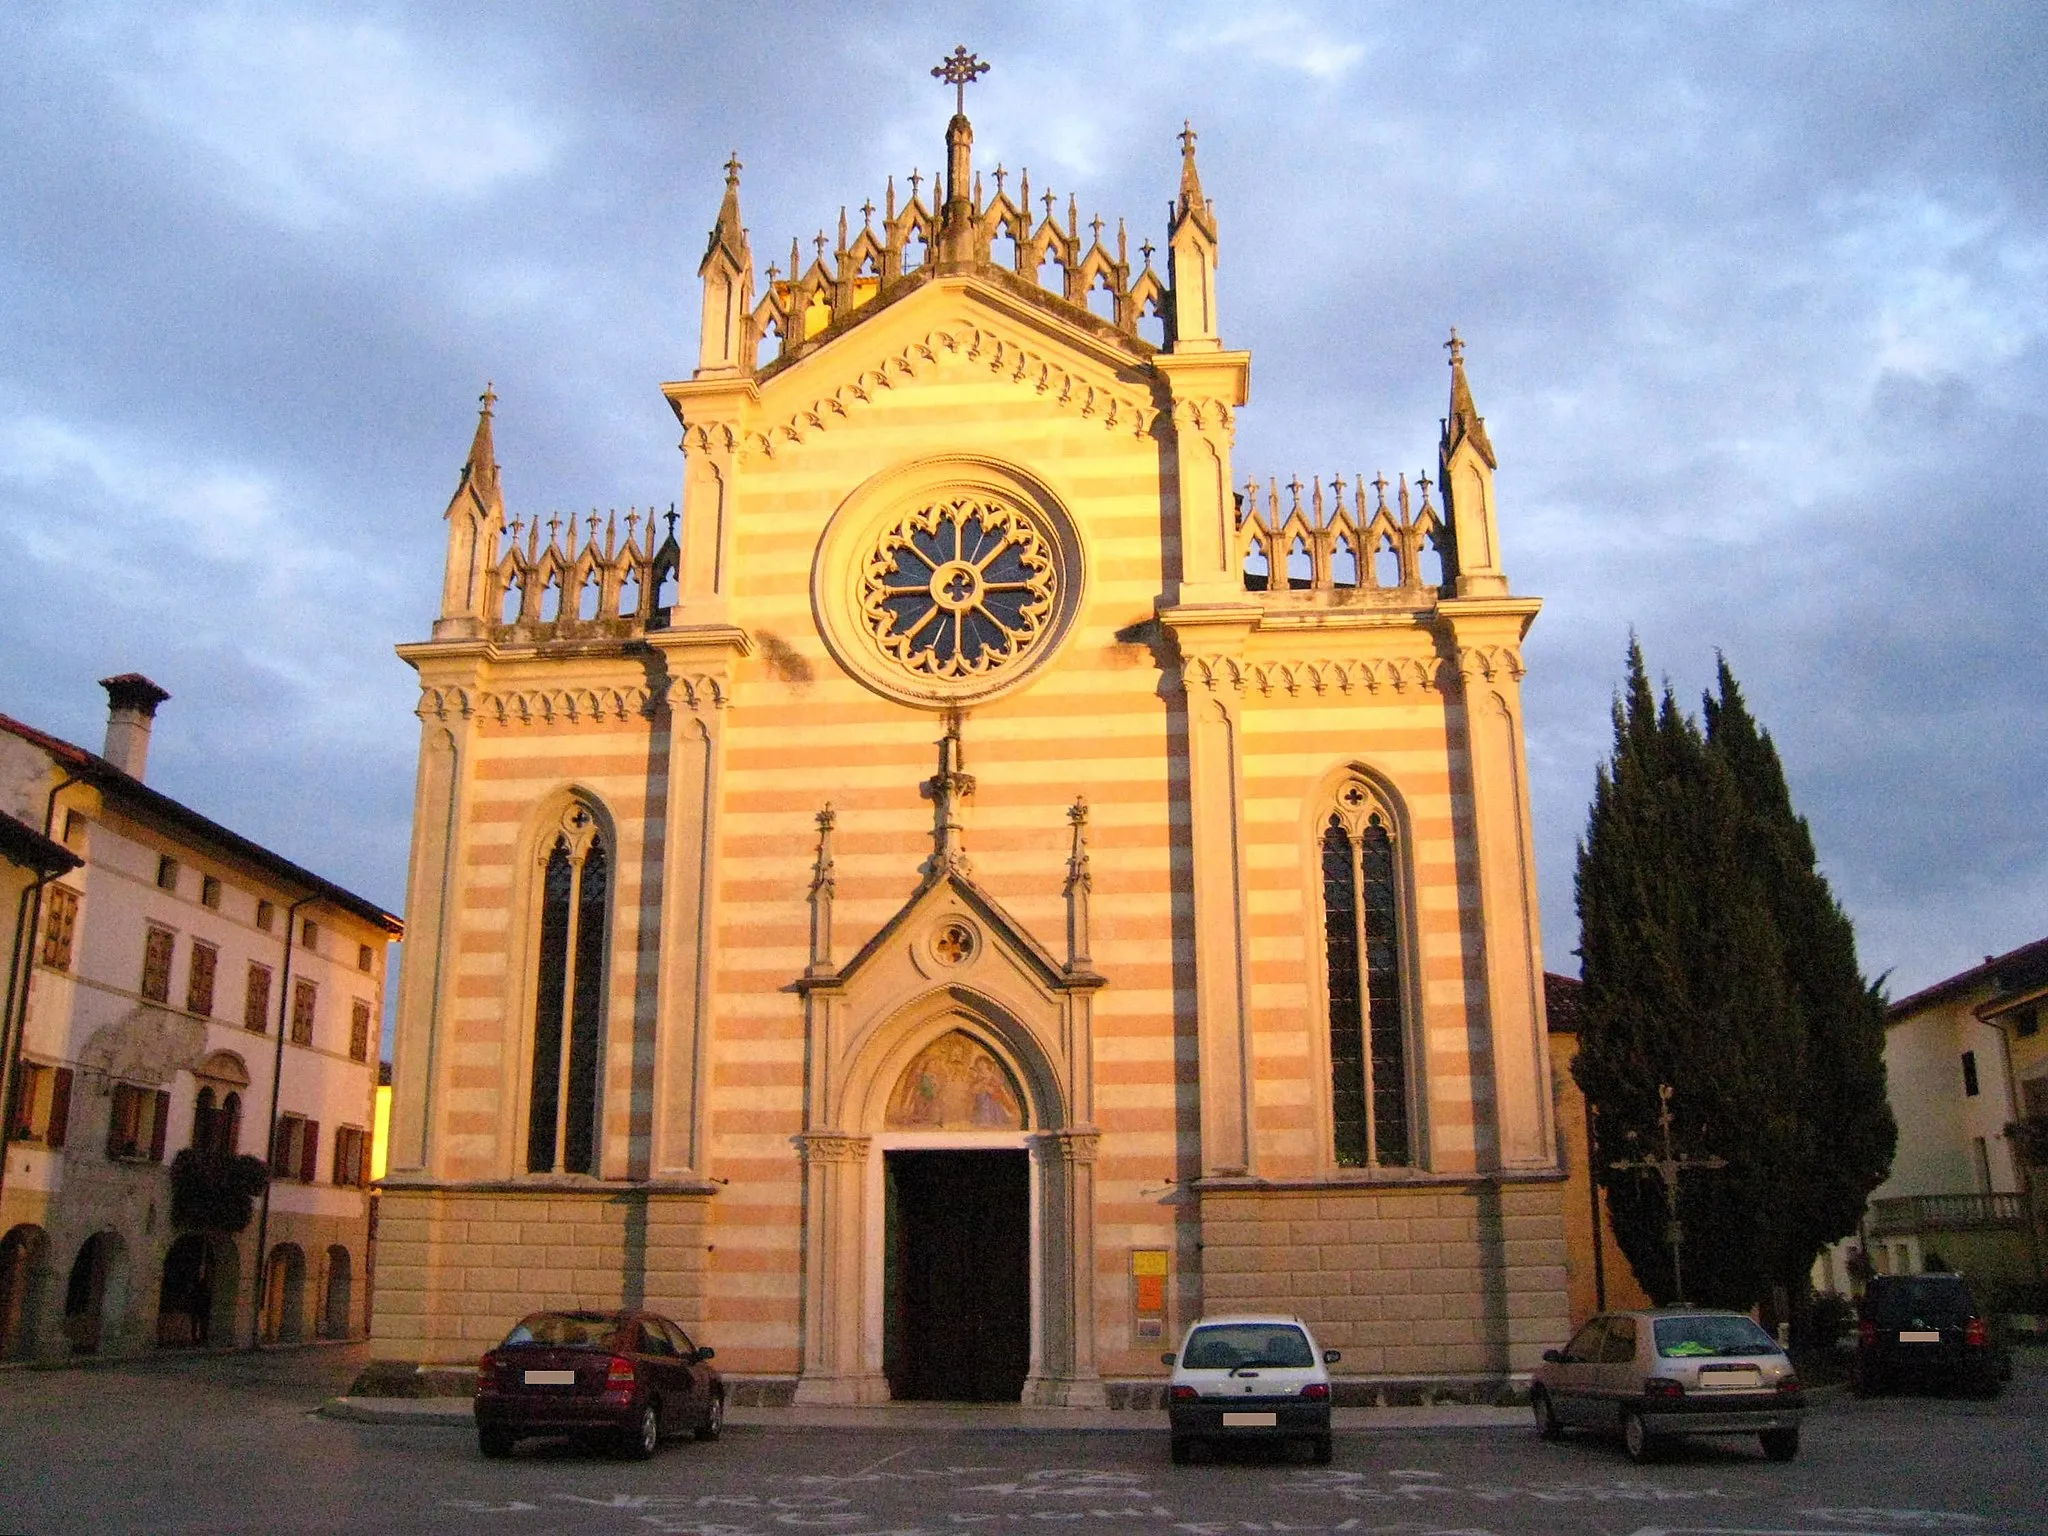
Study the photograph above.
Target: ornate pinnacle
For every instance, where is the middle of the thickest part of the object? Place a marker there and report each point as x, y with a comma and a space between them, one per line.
821, 242
1147, 247
959, 69
1096, 225
914, 180
867, 214
733, 169
1048, 200
489, 396
1456, 347
1000, 173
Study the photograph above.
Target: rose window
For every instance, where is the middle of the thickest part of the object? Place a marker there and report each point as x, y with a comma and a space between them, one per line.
959, 588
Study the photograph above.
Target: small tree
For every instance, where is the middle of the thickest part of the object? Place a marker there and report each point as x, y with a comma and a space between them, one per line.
1714, 961
213, 1191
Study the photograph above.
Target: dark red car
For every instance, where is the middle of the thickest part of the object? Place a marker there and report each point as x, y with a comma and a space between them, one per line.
626, 1377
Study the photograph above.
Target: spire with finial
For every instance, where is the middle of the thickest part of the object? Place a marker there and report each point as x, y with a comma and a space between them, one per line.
1465, 467
1077, 888
476, 523
1191, 258
480, 469
727, 273
947, 788
956, 242
1464, 421
824, 881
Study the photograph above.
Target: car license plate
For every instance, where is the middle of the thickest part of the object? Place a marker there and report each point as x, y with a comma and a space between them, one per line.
1920, 1336
1730, 1378
551, 1378
1250, 1420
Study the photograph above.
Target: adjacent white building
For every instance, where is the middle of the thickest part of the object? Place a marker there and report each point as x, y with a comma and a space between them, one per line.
1955, 1197
183, 987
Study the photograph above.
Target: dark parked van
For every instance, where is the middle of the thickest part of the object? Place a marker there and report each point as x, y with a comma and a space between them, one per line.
1927, 1330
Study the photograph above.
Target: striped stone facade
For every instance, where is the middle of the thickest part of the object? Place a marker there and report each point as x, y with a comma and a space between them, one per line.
1098, 860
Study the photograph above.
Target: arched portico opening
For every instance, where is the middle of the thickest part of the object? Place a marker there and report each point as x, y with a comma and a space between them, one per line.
196, 1300
24, 1289
338, 1294
284, 1295
96, 1294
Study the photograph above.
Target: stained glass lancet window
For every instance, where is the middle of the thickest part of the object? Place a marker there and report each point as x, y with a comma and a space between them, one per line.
1364, 961
568, 1018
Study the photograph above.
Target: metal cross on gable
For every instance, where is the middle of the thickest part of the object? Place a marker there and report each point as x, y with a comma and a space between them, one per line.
959, 69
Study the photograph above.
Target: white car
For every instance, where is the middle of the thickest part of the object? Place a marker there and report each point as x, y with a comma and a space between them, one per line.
1256, 1377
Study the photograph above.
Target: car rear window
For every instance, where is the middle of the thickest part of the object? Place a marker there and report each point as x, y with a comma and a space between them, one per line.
1926, 1303
1680, 1338
557, 1330
1226, 1346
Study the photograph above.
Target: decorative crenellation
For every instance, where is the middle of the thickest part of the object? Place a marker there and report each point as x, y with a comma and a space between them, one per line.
1344, 542
573, 587
802, 300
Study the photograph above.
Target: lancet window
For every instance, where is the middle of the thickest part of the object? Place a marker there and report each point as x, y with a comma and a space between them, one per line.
569, 988
1367, 965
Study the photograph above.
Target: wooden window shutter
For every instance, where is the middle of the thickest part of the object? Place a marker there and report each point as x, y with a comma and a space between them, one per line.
60, 1108
311, 1152
162, 1119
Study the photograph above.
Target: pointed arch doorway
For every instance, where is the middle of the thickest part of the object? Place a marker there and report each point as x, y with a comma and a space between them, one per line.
956, 1280
956, 1273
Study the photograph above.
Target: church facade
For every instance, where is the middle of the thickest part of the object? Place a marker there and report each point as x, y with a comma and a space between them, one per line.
975, 889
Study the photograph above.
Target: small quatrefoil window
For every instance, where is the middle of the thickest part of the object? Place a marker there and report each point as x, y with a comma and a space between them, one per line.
953, 943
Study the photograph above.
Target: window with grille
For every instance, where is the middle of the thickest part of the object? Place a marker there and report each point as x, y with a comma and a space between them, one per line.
60, 922
137, 1120
296, 1152
351, 1156
156, 965
569, 999
359, 1031
217, 1126
304, 997
1365, 965
256, 1000
199, 980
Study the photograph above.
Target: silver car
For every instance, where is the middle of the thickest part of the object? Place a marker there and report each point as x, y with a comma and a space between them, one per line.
1677, 1371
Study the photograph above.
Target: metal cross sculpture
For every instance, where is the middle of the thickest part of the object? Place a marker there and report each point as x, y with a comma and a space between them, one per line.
959, 70
1668, 1168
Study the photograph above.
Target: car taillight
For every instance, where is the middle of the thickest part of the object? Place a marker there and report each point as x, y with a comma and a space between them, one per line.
1663, 1386
1186, 1395
1788, 1383
1975, 1334
1317, 1391
1866, 1334
620, 1373
487, 1369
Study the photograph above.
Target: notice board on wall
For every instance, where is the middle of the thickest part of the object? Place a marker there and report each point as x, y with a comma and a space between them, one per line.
1148, 1295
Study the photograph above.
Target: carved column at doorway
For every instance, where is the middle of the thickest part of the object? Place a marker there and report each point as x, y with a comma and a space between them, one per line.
1065, 1374
835, 1172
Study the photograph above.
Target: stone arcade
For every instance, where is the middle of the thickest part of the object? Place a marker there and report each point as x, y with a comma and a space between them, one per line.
981, 890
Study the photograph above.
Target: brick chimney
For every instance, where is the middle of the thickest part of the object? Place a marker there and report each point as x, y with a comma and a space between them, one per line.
131, 708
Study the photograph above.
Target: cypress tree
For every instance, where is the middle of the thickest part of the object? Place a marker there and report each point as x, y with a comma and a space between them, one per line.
1688, 982
1842, 1121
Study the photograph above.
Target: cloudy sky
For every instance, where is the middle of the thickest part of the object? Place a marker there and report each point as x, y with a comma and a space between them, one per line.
1755, 296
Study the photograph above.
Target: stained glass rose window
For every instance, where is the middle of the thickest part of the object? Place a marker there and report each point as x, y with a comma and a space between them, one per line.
960, 587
